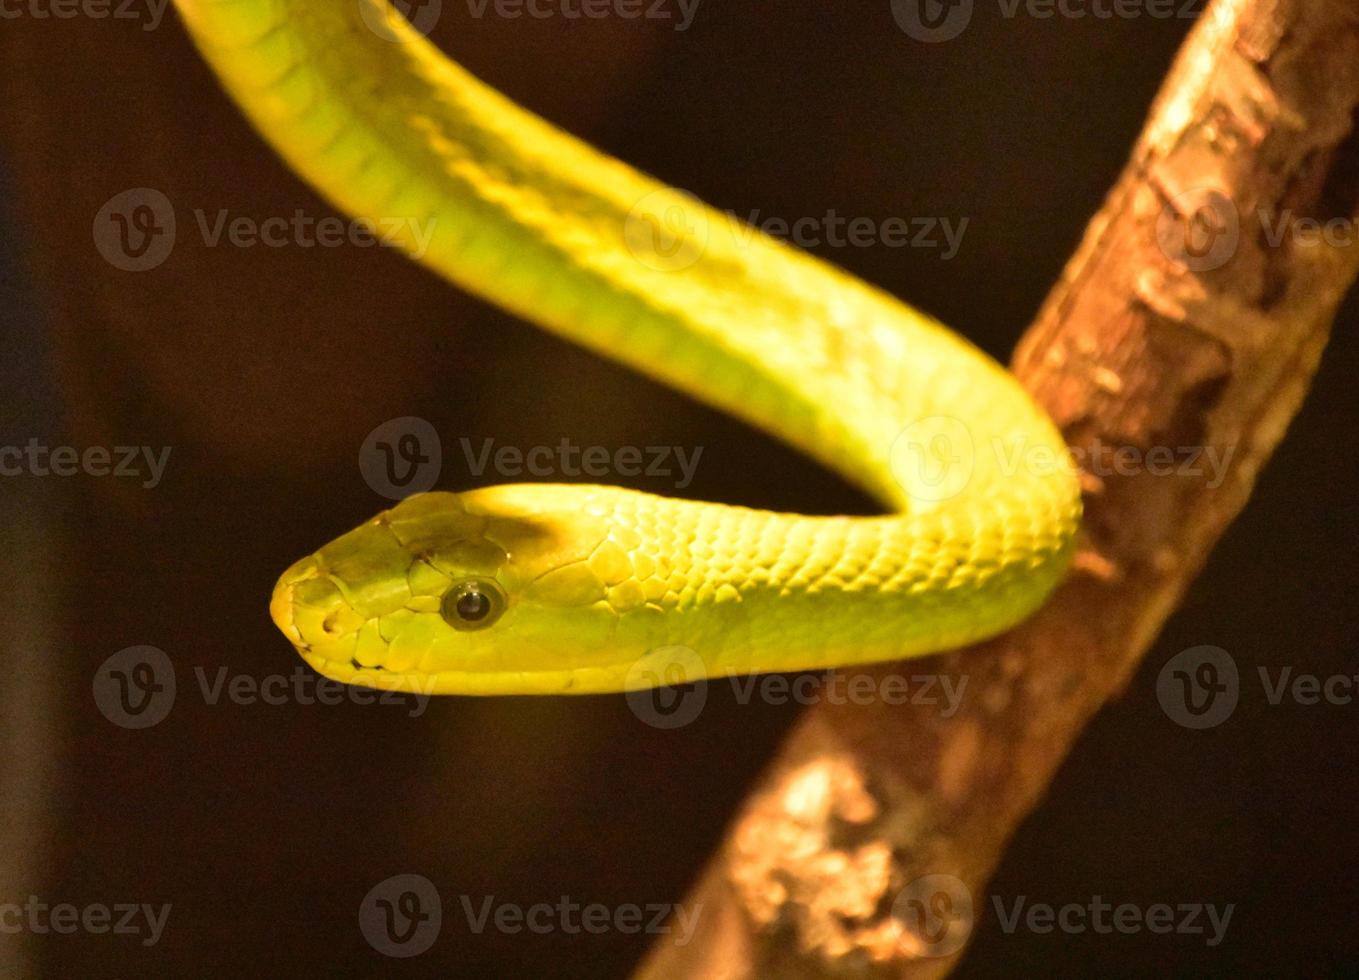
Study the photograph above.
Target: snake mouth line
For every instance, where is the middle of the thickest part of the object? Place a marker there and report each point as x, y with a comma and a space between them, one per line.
572, 680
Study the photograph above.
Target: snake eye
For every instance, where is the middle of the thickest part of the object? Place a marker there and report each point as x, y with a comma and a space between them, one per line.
472, 605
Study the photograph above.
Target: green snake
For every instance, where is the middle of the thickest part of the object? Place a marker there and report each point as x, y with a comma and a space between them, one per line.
568, 588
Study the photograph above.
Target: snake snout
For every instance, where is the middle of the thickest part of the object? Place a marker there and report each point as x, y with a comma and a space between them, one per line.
310, 609
282, 603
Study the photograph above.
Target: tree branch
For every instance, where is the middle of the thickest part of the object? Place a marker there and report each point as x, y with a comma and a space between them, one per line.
1193, 315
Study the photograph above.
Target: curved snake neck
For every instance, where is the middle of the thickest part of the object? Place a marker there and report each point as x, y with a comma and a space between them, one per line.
595, 580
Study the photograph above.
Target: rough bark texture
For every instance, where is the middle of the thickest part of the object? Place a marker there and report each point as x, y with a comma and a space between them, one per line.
1193, 315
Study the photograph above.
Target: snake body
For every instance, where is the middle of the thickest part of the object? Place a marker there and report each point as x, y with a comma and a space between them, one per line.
578, 588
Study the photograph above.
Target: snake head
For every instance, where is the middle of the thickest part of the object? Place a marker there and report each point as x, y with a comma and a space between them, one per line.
482, 592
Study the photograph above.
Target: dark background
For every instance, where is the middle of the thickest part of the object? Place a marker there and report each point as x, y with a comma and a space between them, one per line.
265, 368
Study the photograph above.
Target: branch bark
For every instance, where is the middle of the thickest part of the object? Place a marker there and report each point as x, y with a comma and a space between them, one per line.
1193, 314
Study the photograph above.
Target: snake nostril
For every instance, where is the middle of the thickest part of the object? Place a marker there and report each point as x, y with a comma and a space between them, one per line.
331, 623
